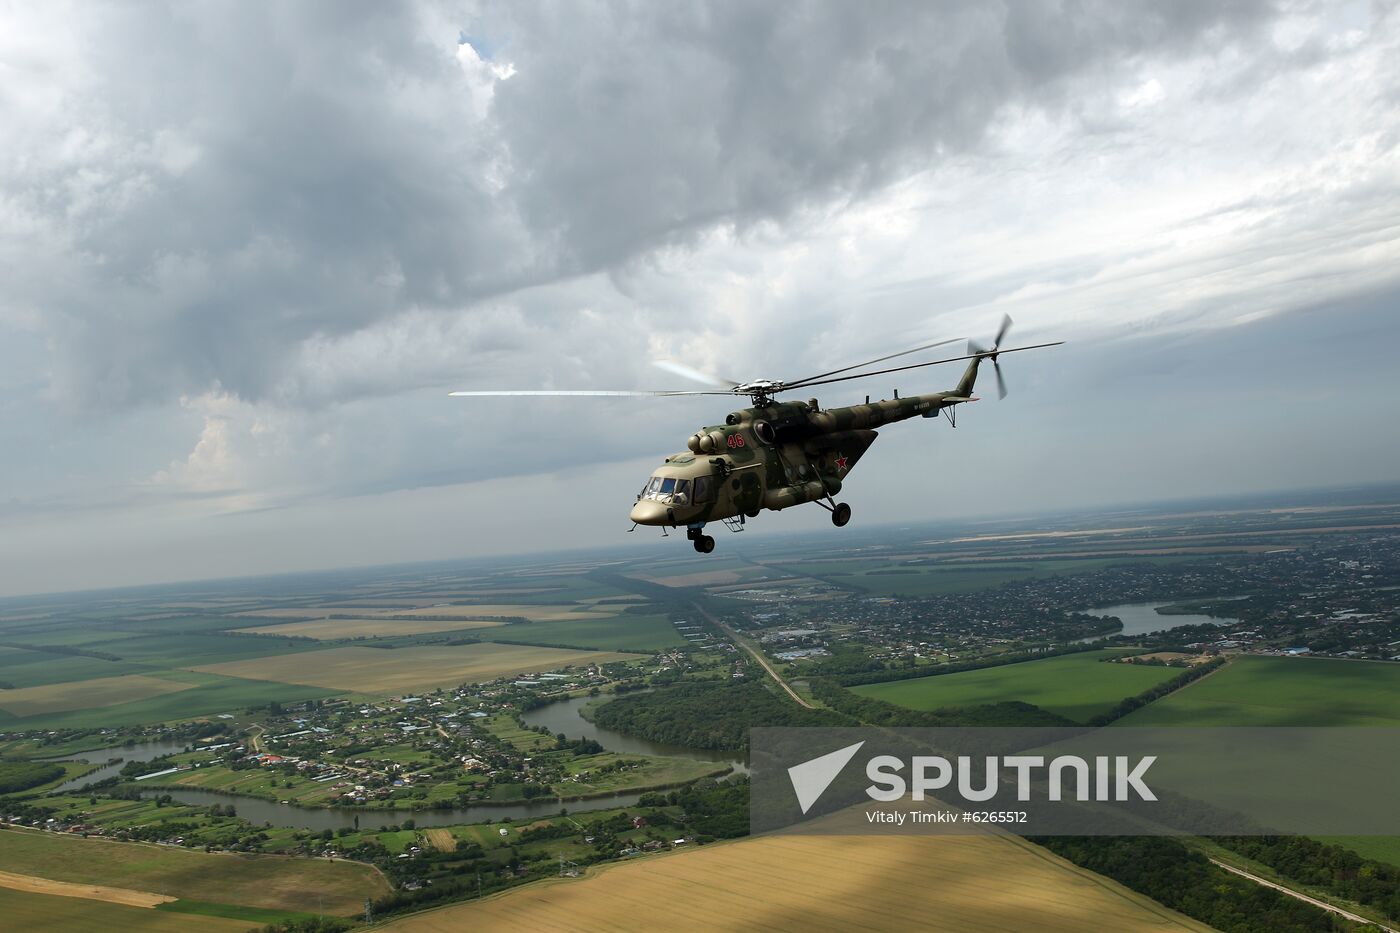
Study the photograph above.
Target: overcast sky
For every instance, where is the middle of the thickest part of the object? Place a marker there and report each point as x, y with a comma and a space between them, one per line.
247, 248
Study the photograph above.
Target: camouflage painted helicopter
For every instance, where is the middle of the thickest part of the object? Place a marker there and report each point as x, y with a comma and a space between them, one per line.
774, 455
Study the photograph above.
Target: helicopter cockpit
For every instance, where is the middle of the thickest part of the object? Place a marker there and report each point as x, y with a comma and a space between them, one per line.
675, 493
678, 490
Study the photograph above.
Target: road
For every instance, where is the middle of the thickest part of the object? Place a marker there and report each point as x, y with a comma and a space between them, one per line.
1302, 897
757, 656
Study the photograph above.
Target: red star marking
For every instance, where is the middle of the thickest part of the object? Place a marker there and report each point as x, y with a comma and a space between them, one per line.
841, 461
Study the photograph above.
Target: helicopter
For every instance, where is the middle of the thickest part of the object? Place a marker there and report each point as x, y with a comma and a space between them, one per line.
775, 454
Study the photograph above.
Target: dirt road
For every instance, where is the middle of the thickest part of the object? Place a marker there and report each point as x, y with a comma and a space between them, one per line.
1302, 897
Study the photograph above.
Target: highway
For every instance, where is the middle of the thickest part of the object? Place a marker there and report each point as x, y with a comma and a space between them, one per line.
757, 656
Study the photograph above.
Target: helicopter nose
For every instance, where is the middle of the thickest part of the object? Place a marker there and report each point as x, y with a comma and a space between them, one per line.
649, 512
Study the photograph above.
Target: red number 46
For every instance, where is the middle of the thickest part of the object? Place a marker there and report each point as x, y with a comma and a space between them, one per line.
736, 440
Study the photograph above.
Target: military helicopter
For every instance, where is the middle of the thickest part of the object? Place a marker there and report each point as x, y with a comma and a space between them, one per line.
778, 454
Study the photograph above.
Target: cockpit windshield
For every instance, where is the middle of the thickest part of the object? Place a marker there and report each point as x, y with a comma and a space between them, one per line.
668, 489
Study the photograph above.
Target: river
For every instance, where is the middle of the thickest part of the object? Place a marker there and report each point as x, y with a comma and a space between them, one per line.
566, 716
143, 751
560, 716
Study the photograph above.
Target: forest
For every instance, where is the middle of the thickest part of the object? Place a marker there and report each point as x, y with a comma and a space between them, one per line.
707, 715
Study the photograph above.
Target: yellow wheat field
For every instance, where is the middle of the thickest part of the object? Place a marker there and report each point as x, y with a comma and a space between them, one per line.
441, 839
818, 883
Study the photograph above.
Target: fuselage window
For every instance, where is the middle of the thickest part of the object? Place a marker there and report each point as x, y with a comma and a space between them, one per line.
704, 489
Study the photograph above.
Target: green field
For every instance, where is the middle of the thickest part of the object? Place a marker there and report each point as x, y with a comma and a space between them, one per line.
211, 694
258, 881
625, 632
22, 669
1380, 848
504, 727
192, 650
1077, 686
1257, 691
26, 911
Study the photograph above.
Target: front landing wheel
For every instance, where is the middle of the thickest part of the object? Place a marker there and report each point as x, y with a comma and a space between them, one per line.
704, 544
841, 515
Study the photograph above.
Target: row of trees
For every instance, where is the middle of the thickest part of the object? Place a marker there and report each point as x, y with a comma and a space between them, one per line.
1132, 703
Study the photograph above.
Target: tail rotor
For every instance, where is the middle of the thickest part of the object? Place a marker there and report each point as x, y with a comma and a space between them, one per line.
991, 354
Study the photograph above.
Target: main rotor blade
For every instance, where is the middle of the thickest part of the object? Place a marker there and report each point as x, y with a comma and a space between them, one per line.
810, 380
1001, 383
900, 369
694, 375
581, 393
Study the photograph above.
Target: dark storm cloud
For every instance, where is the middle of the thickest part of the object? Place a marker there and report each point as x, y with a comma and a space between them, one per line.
630, 125
215, 186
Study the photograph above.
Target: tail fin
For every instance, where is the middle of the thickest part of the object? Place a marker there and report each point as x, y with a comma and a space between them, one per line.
969, 378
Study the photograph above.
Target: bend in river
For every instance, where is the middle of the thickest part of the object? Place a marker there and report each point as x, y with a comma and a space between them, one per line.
560, 716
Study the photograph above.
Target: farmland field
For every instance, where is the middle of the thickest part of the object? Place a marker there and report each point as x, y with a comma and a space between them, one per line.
535, 612
94, 892
330, 629
185, 650
206, 694
258, 881
38, 668
812, 883
1379, 848
23, 910
441, 839
626, 632
1077, 686
1258, 691
101, 691
376, 670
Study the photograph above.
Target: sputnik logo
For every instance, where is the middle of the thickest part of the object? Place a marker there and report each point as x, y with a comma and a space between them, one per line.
811, 778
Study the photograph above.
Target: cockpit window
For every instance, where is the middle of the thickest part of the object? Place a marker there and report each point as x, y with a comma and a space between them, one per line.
704, 488
670, 490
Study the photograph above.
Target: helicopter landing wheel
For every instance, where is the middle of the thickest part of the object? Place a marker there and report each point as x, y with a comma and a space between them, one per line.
704, 544
753, 514
841, 515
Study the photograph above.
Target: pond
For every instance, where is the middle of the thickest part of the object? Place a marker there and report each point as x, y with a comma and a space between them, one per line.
1142, 618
